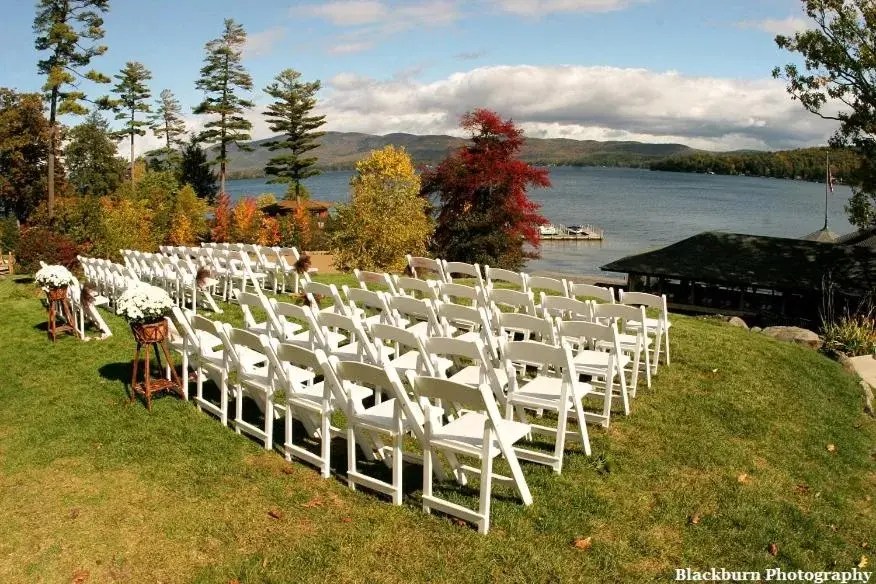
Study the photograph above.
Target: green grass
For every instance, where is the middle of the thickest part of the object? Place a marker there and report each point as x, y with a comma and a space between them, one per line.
92, 486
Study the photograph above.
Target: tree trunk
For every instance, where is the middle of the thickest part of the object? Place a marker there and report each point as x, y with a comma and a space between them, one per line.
53, 109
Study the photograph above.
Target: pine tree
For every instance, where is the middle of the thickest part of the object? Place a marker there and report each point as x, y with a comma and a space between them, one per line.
290, 114
90, 156
196, 171
133, 93
60, 27
223, 74
167, 121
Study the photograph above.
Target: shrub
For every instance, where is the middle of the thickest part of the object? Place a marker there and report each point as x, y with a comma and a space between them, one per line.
853, 335
42, 244
9, 234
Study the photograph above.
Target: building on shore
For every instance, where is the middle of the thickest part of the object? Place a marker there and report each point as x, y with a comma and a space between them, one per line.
772, 279
319, 210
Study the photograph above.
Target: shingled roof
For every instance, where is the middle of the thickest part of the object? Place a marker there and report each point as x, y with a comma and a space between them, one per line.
767, 262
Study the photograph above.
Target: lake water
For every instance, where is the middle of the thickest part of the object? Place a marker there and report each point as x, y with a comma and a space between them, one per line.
641, 210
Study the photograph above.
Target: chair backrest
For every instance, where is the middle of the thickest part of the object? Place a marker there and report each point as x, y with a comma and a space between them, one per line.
462, 397
467, 318
493, 275
399, 337
644, 299
515, 299
420, 266
353, 331
591, 291
411, 309
283, 355
239, 338
582, 334
620, 314
301, 315
451, 292
567, 308
369, 301
532, 327
542, 283
330, 291
366, 279
463, 269
249, 301
184, 327
550, 361
461, 351
414, 287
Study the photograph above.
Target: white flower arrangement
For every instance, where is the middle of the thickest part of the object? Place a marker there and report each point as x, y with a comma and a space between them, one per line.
53, 277
143, 303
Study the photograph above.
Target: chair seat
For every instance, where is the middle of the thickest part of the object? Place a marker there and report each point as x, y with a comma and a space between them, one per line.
313, 393
410, 362
651, 323
543, 389
627, 342
468, 430
471, 375
381, 416
596, 360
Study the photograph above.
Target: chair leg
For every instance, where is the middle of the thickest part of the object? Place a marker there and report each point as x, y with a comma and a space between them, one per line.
486, 488
666, 340
223, 400
269, 421
427, 475
238, 407
351, 457
290, 424
397, 468
560, 441
326, 435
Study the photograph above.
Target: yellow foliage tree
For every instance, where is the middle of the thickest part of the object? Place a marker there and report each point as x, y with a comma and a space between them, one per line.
386, 217
188, 222
246, 221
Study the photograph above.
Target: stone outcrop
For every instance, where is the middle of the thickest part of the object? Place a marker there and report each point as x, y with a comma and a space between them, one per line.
794, 334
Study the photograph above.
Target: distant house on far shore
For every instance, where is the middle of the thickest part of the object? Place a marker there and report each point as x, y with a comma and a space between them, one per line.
319, 210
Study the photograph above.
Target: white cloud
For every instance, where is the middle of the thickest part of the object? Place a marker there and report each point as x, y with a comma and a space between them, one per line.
347, 12
541, 7
349, 48
262, 43
371, 21
774, 26
600, 103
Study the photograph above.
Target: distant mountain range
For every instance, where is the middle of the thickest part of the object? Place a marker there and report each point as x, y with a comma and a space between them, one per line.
341, 150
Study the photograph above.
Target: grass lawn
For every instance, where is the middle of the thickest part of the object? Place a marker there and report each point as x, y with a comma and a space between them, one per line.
727, 454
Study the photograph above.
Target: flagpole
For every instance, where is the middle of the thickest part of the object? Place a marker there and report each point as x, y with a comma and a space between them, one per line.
826, 187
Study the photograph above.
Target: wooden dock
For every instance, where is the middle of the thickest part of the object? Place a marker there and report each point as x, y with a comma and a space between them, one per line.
591, 233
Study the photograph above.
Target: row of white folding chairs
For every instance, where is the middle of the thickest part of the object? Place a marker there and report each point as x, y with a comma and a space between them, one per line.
443, 412
525, 301
107, 277
183, 279
279, 264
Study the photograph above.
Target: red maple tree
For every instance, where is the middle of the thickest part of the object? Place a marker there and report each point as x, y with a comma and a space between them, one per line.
221, 230
480, 193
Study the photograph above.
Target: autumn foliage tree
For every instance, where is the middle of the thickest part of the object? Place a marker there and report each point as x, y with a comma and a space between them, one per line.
221, 228
386, 217
483, 212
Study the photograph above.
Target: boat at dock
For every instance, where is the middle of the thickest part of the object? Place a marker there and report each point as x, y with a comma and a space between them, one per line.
551, 232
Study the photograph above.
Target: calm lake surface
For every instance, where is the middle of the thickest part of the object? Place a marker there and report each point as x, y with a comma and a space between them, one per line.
641, 210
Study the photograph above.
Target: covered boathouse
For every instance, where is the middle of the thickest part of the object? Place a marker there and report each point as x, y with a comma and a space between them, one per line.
773, 279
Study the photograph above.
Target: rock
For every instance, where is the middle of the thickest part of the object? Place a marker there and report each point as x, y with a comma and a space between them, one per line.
736, 321
756, 329
794, 334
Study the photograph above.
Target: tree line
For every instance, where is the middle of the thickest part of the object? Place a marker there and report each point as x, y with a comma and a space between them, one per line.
801, 164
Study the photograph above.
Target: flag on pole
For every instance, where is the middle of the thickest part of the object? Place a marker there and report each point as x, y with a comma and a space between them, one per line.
829, 177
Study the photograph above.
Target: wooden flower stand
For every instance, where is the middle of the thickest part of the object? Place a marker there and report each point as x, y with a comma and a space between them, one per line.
58, 299
152, 338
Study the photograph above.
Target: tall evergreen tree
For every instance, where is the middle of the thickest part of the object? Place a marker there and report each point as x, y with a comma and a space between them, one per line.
62, 27
167, 121
133, 93
291, 115
222, 76
195, 171
90, 156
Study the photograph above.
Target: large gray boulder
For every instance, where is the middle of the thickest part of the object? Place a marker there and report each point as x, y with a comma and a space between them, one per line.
794, 334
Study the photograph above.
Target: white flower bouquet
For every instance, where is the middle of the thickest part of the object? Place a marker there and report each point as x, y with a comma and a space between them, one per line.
53, 277
143, 304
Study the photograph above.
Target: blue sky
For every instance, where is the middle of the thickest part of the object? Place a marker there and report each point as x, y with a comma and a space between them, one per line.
695, 71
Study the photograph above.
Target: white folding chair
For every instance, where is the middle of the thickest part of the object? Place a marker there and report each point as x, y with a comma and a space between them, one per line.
460, 294
415, 288
565, 308
480, 432
370, 306
472, 364
555, 387
659, 327
591, 292
636, 343
368, 279
421, 267
406, 351
468, 271
315, 291
414, 315
210, 364
596, 353
544, 283
516, 279
253, 376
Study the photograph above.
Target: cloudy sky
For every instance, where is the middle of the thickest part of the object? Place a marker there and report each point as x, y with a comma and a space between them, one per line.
690, 71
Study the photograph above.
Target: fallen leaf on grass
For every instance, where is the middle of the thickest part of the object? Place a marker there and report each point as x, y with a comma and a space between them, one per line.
275, 513
583, 543
773, 549
833, 527
864, 562
234, 581
831, 447
74, 513
79, 576
865, 545
346, 520
288, 470
742, 478
802, 489
459, 522
694, 519
714, 370
315, 502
